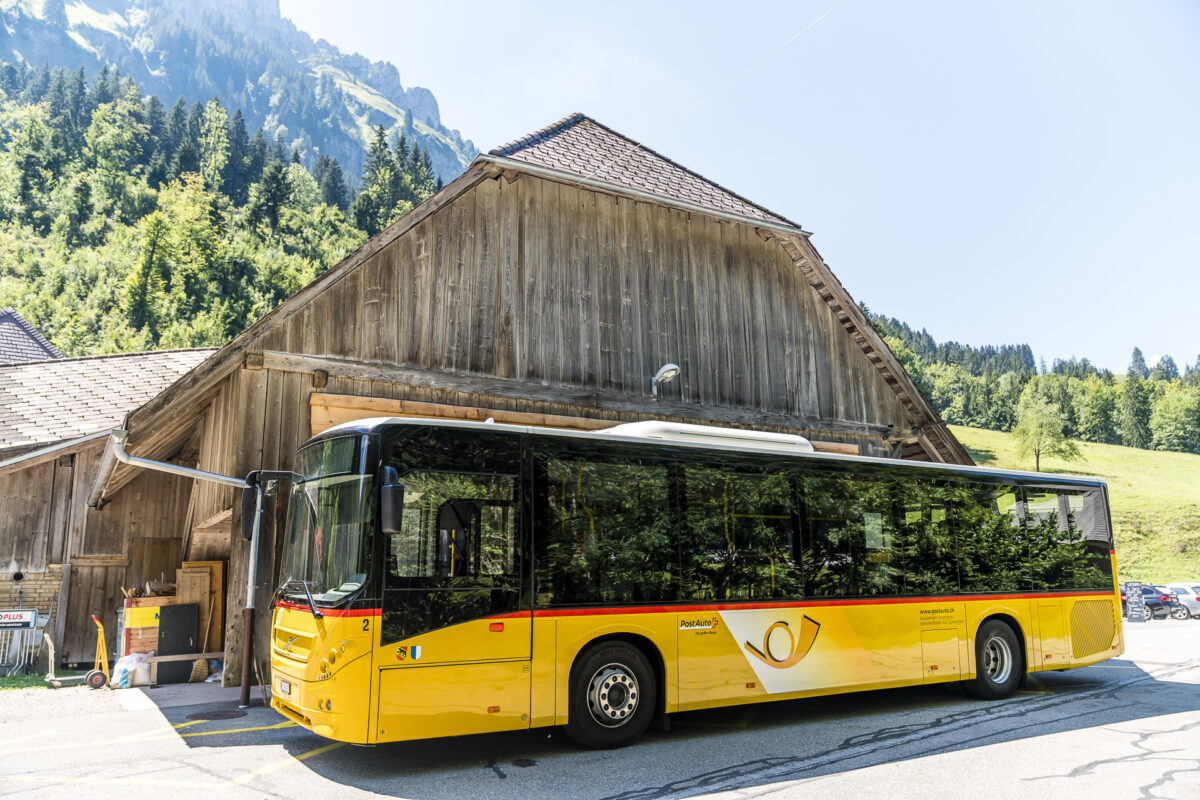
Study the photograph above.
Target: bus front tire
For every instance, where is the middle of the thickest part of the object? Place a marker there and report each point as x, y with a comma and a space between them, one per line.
612, 696
999, 662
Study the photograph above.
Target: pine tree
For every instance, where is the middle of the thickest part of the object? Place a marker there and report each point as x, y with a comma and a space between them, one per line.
258, 157
372, 208
177, 127
12, 79
144, 287
327, 172
37, 86
102, 88
236, 181
1135, 411
1137, 364
77, 98
400, 149
1166, 369
156, 126
269, 196
214, 145
185, 160
279, 151
1191, 374
195, 124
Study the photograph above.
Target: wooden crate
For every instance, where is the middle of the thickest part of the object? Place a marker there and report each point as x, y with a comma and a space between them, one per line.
140, 632
215, 599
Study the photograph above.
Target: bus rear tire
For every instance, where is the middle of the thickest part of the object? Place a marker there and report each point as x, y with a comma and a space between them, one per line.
999, 662
613, 696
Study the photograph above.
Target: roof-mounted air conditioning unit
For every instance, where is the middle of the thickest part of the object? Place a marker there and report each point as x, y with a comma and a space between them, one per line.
708, 434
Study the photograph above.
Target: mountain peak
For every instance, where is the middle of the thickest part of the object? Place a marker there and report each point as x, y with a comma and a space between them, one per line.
322, 101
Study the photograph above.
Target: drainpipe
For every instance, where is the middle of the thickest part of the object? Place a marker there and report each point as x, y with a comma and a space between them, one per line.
116, 452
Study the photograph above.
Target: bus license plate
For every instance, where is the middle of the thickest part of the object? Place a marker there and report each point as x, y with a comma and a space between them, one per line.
285, 687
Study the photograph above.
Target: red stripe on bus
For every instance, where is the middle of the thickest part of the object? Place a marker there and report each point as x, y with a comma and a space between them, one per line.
333, 612
580, 612
689, 609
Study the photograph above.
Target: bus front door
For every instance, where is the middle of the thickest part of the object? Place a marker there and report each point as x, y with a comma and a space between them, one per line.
455, 648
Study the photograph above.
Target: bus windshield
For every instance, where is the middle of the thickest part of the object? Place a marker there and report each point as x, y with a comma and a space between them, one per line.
331, 517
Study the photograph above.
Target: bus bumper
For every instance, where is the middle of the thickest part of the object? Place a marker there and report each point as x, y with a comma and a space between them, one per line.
334, 707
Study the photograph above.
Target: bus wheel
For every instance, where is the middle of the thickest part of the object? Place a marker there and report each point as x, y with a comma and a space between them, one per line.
613, 696
998, 662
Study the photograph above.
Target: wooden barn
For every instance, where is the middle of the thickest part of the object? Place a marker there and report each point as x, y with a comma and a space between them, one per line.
57, 555
545, 285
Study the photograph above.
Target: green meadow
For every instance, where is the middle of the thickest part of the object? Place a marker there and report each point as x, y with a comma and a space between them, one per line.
1155, 499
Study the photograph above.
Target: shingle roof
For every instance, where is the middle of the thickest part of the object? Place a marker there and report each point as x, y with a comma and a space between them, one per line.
580, 145
20, 341
43, 402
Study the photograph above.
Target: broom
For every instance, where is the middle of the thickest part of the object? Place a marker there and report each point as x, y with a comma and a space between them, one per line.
200, 668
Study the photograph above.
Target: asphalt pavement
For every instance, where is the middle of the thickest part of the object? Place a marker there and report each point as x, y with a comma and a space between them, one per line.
1127, 728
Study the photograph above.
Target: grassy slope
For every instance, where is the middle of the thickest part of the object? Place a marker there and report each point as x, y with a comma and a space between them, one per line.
1155, 500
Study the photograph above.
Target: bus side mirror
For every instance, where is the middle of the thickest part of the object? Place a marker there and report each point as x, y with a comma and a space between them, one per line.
391, 507
249, 502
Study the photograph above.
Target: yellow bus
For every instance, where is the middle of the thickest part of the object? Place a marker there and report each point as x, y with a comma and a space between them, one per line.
443, 578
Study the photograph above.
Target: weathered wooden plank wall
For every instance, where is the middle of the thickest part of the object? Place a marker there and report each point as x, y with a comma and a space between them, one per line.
25, 516
271, 423
209, 500
554, 284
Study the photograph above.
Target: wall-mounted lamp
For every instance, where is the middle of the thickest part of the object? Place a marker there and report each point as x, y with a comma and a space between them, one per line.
665, 374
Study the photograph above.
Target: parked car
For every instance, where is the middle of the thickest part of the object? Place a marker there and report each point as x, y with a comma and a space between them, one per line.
1189, 596
1156, 602
1176, 609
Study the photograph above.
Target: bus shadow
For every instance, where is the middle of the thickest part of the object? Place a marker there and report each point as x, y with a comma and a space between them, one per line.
739, 748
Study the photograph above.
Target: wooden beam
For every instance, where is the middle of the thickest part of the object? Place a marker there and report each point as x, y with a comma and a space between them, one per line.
334, 409
835, 447
940, 444
565, 395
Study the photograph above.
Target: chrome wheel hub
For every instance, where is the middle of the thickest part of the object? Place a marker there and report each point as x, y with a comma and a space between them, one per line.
997, 660
612, 695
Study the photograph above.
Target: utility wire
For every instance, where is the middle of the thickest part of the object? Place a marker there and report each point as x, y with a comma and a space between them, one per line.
604, 167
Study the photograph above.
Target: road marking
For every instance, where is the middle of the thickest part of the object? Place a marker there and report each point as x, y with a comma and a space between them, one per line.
275, 727
1111, 666
240, 780
186, 724
285, 762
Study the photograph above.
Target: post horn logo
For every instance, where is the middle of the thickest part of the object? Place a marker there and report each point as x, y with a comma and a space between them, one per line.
798, 646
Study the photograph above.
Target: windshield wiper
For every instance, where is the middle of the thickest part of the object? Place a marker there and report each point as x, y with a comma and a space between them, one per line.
316, 612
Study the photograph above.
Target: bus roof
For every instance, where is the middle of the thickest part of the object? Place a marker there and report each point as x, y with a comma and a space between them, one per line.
726, 443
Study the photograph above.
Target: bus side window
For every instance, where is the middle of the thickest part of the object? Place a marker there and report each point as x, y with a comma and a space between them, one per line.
1068, 538
606, 531
740, 534
455, 526
928, 551
826, 562
992, 553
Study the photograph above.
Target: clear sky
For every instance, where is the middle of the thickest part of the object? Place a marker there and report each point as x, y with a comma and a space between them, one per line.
996, 172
